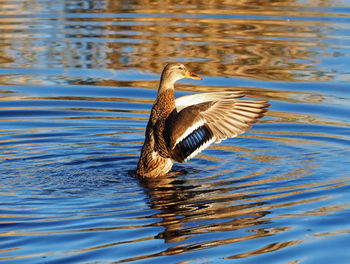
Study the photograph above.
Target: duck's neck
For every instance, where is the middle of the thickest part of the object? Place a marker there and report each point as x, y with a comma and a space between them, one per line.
165, 102
165, 88
167, 82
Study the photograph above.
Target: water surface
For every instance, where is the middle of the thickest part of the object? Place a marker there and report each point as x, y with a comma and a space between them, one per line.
77, 81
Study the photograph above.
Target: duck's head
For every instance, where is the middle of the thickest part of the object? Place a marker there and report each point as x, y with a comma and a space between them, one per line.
176, 71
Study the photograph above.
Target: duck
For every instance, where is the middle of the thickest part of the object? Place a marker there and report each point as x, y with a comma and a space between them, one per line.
180, 128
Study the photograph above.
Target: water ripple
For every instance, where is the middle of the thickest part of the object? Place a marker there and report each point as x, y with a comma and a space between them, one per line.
77, 81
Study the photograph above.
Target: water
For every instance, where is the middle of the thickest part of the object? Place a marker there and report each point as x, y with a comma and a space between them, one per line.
78, 79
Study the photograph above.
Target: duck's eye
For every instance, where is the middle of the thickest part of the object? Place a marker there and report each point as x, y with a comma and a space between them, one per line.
181, 68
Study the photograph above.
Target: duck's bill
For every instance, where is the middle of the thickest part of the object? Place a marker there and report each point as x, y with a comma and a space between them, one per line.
192, 76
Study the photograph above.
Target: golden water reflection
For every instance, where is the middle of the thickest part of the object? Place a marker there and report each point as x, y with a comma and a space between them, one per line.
190, 208
218, 37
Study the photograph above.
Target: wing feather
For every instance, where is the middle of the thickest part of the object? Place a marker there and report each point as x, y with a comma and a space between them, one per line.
193, 99
201, 119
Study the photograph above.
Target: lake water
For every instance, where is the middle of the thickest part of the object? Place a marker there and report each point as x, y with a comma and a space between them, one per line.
77, 81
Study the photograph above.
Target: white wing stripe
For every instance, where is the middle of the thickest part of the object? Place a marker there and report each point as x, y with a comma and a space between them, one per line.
204, 146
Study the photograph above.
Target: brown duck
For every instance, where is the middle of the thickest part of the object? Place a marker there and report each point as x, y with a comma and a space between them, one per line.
178, 129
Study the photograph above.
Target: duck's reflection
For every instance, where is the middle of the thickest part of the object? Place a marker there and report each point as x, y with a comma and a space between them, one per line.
187, 209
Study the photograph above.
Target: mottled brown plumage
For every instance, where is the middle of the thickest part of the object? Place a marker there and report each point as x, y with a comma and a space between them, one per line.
179, 129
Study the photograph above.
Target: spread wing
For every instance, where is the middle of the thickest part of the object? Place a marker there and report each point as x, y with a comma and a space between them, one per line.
188, 100
202, 119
